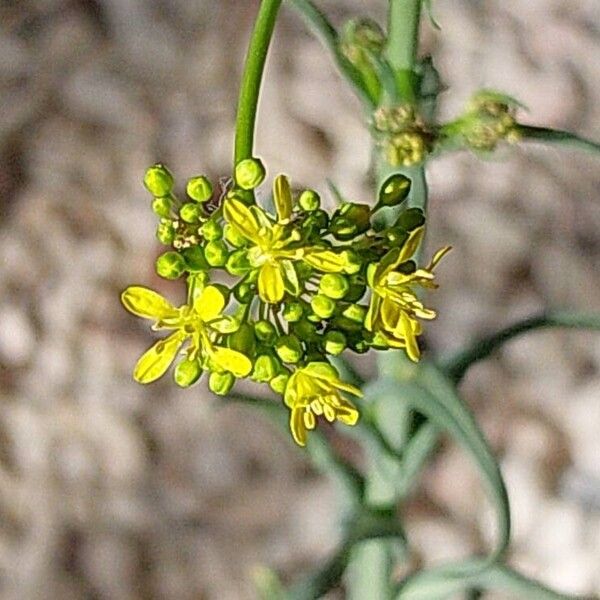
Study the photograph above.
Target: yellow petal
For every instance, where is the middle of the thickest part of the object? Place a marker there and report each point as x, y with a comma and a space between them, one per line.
157, 359
290, 278
210, 303
411, 245
270, 283
412, 347
373, 311
231, 360
347, 414
282, 195
146, 303
240, 217
297, 426
326, 260
438, 256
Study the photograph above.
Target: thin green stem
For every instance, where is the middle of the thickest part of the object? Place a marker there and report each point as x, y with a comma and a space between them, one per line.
252, 77
456, 366
404, 18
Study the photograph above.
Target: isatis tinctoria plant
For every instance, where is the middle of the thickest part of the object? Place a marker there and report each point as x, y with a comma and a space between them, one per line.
280, 291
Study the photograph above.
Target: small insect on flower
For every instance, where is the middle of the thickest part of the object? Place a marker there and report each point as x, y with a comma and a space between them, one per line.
202, 324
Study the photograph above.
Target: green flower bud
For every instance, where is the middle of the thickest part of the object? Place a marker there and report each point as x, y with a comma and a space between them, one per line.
191, 212
320, 218
335, 342
221, 383
350, 220
410, 219
394, 190
216, 253
165, 233
243, 340
199, 189
303, 269
309, 200
244, 292
170, 265
187, 373
322, 306
356, 292
305, 330
396, 236
292, 311
289, 349
265, 368
354, 262
211, 230
249, 173
237, 263
194, 259
356, 313
161, 207
158, 180
279, 383
265, 332
233, 236
334, 285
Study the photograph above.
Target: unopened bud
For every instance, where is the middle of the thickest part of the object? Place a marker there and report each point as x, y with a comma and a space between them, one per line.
335, 342
221, 383
187, 372
279, 383
334, 285
194, 259
265, 368
233, 236
158, 180
191, 212
243, 340
162, 206
292, 311
394, 190
309, 200
265, 332
170, 265
249, 173
322, 306
216, 253
211, 230
289, 349
350, 220
237, 263
199, 189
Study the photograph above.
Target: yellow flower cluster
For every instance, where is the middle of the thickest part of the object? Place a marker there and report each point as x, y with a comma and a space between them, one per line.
299, 285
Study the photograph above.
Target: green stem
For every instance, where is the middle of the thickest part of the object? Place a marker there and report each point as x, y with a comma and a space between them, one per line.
252, 77
456, 366
404, 18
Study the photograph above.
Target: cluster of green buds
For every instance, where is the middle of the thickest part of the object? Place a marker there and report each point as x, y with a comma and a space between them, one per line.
402, 134
489, 118
272, 295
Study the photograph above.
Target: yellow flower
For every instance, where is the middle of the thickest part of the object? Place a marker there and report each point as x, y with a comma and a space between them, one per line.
274, 246
313, 391
200, 324
395, 307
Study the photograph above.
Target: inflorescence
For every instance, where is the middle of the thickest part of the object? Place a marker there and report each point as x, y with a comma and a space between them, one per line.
272, 294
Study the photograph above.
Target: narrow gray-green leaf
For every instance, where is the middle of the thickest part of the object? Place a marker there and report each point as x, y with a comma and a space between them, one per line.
443, 583
456, 366
328, 35
557, 137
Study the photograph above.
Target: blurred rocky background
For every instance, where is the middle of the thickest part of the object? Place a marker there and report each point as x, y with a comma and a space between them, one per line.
109, 490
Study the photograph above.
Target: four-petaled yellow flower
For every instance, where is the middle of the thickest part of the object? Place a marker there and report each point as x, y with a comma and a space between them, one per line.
395, 307
274, 246
200, 323
313, 391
